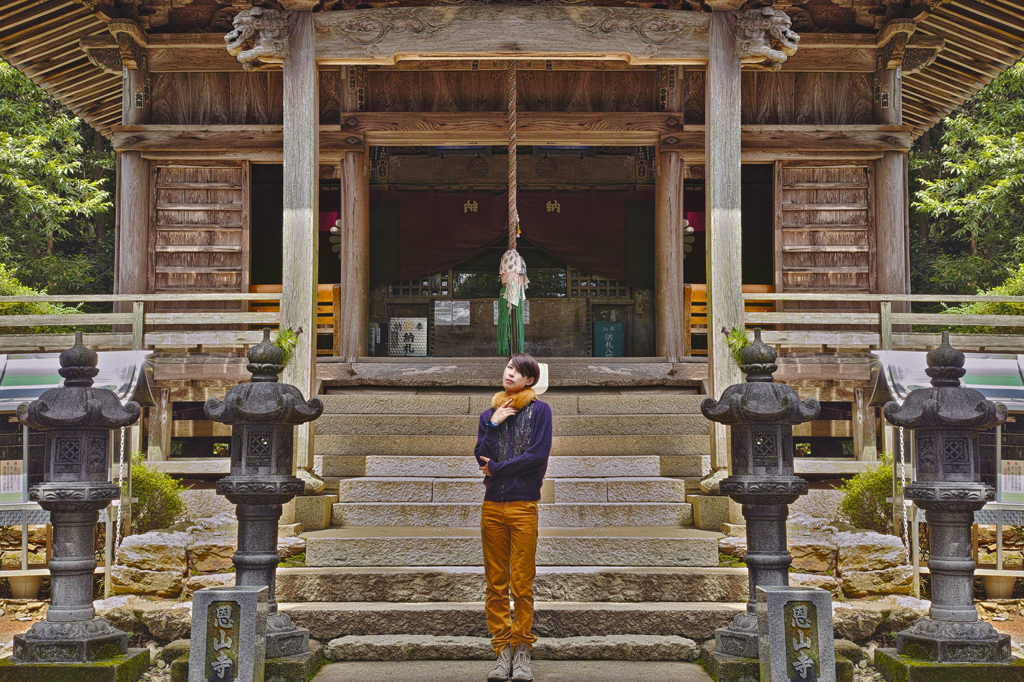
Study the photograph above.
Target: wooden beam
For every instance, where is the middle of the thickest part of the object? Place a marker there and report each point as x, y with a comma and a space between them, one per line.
723, 145
301, 187
354, 318
669, 223
638, 36
159, 448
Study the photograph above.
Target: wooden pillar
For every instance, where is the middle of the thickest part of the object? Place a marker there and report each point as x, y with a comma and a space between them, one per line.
724, 272
865, 446
668, 256
301, 186
891, 189
354, 316
160, 427
133, 195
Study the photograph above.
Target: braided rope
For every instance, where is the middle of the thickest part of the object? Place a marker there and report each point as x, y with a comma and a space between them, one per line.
513, 211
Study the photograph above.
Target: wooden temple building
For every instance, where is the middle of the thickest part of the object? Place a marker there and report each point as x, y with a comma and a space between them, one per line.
685, 167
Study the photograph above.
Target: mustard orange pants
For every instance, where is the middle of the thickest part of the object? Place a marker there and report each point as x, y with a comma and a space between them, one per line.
509, 531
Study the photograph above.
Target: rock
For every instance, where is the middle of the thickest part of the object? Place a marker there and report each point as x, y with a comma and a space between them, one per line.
314, 485
122, 612
819, 503
712, 485
812, 555
154, 551
168, 622
287, 547
845, 647
869, 552
825, 582
898, 580
205, 503
855, 622
736, 547
174, 650
198, 582
134, 581
211, 552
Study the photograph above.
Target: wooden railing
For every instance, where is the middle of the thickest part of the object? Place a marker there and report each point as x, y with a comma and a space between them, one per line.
884, 328
135, 329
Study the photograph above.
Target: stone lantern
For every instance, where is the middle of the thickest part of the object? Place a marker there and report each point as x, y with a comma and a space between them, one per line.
761, 414
263, 415
946, 419
77, 419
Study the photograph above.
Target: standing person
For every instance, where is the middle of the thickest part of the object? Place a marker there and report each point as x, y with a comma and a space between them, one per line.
512, 448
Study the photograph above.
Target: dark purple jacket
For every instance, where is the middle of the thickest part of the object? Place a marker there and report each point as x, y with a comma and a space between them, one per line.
515, 476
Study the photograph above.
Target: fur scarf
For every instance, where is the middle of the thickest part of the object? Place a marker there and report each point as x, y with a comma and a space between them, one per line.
519, 400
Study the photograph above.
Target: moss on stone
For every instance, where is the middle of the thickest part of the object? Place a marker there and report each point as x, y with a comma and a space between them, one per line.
127, 668
896, 668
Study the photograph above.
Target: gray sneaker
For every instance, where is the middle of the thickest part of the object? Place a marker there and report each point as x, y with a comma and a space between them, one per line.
503, 668
521, 664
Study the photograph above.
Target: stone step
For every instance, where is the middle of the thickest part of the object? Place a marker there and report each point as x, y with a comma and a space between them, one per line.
467, 515
449, 648
330, 620
465, 466
443, 425
561, 444
413, 489
432, 546
552, 583
473, 404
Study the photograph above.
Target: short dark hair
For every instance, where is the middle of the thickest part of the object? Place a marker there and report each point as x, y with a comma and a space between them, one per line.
527, 365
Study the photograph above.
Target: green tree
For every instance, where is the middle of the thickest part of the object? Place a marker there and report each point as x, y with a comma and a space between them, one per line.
969, 206
54, 205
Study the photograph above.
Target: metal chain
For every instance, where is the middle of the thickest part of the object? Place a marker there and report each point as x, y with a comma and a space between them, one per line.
903, 486
120, 504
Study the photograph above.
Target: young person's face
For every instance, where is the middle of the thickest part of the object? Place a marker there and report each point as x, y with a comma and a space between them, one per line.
513, 380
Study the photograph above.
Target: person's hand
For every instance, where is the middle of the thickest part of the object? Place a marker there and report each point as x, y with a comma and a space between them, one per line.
503, 412
485, 468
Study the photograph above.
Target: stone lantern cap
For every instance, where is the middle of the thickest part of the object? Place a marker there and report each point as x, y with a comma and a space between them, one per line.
946, 404
759, 399
265, 399
77, 404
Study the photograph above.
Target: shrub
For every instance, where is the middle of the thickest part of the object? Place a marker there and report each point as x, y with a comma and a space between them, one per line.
864, 496
10, 286
159, 497
1013, 286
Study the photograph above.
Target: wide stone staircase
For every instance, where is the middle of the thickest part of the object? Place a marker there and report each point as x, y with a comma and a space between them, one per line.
622, 573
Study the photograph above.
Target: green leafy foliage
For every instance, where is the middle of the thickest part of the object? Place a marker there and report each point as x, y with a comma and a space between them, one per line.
1013, 286
737, 340
10, 286
969, 208
159, 497
55, 210
864, 496
286, 340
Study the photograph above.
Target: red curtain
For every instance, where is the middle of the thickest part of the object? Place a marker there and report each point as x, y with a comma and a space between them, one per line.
441, 229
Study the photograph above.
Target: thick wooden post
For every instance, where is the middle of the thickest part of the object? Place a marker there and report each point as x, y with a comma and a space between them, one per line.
891, 223
353, 316
668, 256
301, 180
160, 426
133, 198
865, 446
724, 272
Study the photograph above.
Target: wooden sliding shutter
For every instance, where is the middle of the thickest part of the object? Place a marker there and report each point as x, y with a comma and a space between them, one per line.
199, 234
824, 229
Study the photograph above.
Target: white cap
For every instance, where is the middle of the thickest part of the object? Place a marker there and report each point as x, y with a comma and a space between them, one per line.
542, 382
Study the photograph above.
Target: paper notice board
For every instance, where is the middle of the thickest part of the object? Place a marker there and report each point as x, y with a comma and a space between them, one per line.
1012, 481
11, 481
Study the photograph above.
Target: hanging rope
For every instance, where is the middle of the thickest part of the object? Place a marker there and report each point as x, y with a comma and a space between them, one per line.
511, 335
513, 210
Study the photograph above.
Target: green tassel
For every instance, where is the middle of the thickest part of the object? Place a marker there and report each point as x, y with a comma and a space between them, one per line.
505, 328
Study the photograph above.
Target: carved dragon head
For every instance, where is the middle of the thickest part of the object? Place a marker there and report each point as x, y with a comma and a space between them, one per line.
765, 36
260, 37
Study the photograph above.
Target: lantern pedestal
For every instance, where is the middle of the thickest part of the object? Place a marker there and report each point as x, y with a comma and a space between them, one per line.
951, 643
263, 415
77, 418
